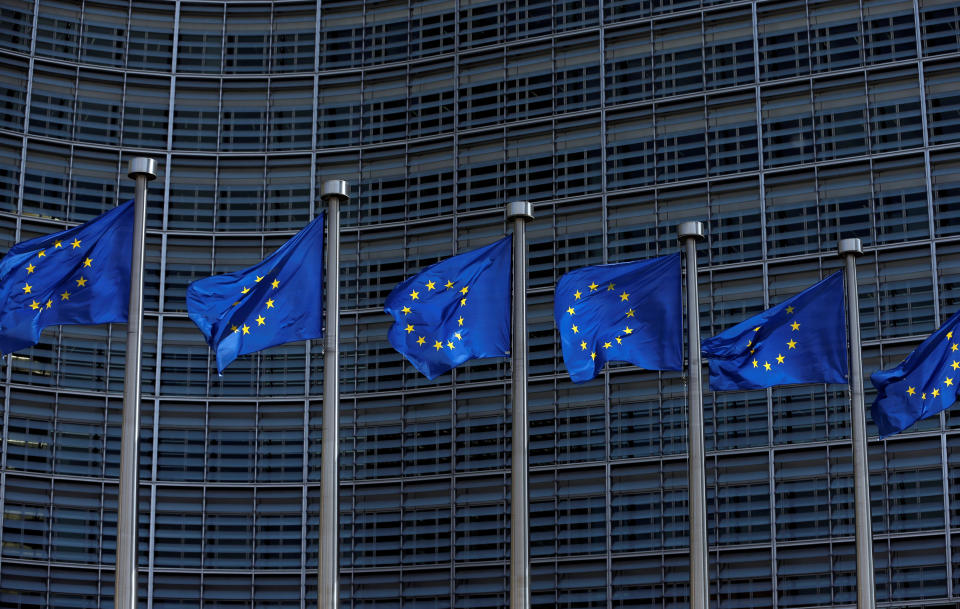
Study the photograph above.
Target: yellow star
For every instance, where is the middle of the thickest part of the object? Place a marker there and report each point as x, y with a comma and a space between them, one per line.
235, 303
624, 297
607, 345
409, 328
431, 285
88, 262
65, 296
953, 347
923, 396
258, 279
244, 290
26, 288
789, 309
628, 330
948, 381
583, 345
593, 355
450, 345
421, 340
465, 289
57, 244
570, 310
34, 305
234, 328
49, 303
576, 295
749, 342
82, 281
950, 334
460, 321
936, 392
30, 268
260, 320
270, 303
275, 284
42, 254
619, 341
766, 366
755, 363
463, 302
448, 284
792, 343
406, 310
457, 334
610, 287
575, 329
630, 313
779, 358
955, 365
795, 325
911, 390
593, 286
437, 345
415, 295
246, 329
75, 243
757, 329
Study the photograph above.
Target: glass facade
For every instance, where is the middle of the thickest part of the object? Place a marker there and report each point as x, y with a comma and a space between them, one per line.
784, 125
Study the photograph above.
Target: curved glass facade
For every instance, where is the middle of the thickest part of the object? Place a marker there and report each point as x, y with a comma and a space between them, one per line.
783, 124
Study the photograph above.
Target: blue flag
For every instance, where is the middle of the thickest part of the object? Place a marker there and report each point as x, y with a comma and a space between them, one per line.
77, 276
802, 340
455, 310
276, 301
627, 312
921, 385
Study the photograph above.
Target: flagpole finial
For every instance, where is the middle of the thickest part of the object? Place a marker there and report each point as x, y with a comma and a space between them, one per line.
850, 246
339, 188
690, 229
142, 166
522, 210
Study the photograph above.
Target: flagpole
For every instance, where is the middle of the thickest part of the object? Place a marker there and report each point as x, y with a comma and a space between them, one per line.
849, 249
520, 212
334, 192
689, 233
141, 169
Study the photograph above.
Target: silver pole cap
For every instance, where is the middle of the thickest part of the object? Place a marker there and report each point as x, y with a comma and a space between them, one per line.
520, 209
851, 246
691, 229
339, 188
142, 166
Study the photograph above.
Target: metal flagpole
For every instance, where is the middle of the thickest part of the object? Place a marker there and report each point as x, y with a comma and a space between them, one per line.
520, 212
689, 233
141, 169
849, 249
334, 192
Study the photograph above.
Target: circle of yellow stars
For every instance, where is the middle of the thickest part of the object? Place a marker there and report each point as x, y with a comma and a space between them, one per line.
422, 340
947, 381
260, 319
47, 303
572, 311
791, 344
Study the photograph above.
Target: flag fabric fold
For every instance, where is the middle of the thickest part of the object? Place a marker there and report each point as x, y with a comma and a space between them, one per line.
77, 276
630, 311
454, 310
276, 301
922, 385
802, 340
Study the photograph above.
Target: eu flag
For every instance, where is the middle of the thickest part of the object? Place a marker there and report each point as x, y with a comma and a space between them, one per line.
77, 276
455, 310
276, 301
802, 340
628, 312
921, 385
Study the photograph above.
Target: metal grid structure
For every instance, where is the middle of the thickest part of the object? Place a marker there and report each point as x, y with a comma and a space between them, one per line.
783, 125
